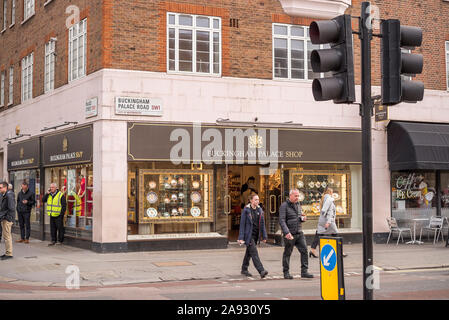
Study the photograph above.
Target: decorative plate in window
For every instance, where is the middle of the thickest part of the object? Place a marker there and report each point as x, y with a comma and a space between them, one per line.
151, 213
181, 196
174, 197
181, 181
152, 184
174, 183
152, 197
195, 196
195, 184
195, 211
311, 184
300, 184
301, 196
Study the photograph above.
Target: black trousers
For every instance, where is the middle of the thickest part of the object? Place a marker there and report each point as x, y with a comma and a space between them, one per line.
316, 239
299, 241
251, 252
24, 223
57, 228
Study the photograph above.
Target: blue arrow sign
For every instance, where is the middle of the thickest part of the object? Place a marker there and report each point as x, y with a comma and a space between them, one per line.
328, 257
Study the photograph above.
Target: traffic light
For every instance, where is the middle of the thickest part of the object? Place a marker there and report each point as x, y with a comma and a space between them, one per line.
338, 59
395, 62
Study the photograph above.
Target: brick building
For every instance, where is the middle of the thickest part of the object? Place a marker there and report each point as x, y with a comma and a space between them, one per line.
123, 103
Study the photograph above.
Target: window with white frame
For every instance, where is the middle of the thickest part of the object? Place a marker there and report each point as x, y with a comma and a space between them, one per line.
291, 52
5, 8
447, 64
28, 9
194, 43
27, 77
2, 88
11, 86
77, 50
49, 70
13, 12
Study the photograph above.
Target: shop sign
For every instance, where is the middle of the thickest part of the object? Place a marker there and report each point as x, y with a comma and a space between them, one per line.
412, 186
91, 108
68, 147
138, 106
381, 112
23, 155
212, 144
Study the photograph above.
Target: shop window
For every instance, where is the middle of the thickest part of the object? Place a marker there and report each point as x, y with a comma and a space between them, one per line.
413, 193
444, 176
32, 177
77, 185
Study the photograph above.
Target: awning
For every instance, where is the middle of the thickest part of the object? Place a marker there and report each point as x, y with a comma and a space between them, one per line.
413, 145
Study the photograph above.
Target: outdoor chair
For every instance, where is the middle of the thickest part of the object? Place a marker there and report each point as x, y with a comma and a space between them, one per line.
393, 225
435, 225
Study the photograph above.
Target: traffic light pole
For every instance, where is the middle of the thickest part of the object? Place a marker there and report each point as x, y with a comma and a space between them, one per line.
366, 35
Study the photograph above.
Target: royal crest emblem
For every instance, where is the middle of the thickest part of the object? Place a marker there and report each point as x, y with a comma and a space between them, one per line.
255, 141
65, 144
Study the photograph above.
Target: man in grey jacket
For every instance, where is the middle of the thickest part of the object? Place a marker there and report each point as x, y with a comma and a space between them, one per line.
290, 219
7, 215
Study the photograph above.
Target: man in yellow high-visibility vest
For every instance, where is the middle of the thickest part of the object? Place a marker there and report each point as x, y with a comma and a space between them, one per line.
56, 207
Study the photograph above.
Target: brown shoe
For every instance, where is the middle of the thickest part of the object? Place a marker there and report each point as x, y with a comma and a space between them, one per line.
27, 241
20, 241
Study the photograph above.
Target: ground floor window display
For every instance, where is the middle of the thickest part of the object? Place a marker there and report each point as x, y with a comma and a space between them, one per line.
32, 178
76, 182
164, 198
419, 194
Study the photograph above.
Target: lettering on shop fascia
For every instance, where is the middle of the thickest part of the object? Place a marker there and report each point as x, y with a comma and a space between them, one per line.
66, 156
22, 162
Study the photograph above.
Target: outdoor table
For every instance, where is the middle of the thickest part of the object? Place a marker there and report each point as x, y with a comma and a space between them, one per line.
414, 241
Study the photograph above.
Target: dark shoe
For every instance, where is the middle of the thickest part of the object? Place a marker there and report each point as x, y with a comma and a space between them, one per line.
5, 257
27, 241
306, 275
263, 274
59, 243
344, 255
311, 254
51, 244
288, 276
20, 241
246, 273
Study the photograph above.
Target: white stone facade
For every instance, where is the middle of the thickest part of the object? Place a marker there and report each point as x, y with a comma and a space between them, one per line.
196, 99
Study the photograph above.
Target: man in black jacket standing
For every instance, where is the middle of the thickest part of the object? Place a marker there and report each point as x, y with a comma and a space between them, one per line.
7, 215
290, 219
25, 202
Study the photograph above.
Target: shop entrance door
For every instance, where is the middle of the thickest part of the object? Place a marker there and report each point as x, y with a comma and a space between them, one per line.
234, 184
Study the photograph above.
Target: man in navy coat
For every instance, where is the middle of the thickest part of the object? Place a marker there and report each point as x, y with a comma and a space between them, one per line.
252, 227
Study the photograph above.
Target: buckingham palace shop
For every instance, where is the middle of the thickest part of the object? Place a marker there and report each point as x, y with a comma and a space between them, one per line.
64, 158
188, 183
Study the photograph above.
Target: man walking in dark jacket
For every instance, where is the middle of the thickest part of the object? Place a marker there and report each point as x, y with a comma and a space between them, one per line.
252, 226
290, 219
25, 202
7, 215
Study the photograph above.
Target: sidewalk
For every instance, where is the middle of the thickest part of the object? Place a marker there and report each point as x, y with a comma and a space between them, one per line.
36, 264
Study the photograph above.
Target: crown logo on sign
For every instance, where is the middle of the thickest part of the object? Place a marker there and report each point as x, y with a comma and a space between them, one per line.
255, 141
65, 144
